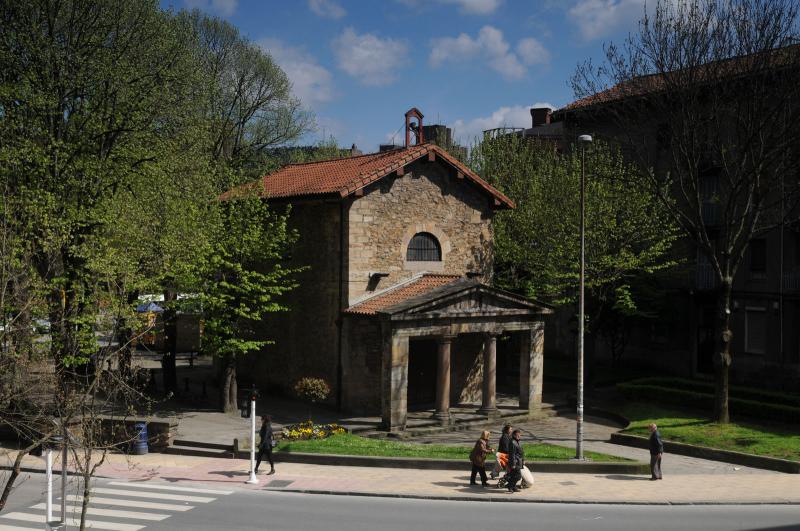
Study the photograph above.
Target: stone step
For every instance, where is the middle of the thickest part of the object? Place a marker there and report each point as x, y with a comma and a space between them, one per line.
196, 451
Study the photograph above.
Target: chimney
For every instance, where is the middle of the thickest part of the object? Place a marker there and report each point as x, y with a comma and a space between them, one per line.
354, 151
540, 116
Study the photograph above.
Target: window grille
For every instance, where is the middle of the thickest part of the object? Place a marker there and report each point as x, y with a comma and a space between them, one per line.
424, 247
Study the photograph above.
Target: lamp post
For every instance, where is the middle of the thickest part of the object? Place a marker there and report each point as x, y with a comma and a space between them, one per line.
582, 140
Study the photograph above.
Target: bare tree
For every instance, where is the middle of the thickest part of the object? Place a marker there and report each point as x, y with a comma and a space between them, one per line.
705, 97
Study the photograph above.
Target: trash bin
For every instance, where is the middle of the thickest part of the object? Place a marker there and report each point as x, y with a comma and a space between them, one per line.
140, 443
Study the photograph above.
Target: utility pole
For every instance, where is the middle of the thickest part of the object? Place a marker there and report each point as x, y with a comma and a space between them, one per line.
582, 140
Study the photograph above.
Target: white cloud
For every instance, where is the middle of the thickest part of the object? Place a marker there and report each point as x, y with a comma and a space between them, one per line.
599, 18
532, 52
491, 46
370, 59
311, 82
467, 131
327, 8
469, 7
475, 7
225, 8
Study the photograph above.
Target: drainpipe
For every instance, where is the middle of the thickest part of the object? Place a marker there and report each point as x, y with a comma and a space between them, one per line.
341, 307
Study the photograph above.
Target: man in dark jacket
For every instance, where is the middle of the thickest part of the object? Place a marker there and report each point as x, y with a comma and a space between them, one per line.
656, 451
516, 460
502, 448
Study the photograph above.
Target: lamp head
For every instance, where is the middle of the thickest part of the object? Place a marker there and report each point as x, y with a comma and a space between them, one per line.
585, 138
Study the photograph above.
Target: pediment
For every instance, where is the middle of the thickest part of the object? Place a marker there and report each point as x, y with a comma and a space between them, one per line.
461, 300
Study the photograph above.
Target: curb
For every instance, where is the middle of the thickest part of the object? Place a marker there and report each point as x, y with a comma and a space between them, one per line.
564, 467
725, 456
511, 499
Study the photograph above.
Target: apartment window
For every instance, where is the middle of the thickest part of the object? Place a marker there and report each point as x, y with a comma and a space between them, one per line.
758, 258
755, 330
424, 247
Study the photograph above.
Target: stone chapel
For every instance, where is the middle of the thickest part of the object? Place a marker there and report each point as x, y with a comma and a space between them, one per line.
395, 309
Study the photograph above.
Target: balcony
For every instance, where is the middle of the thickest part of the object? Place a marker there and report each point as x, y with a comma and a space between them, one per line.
791, 280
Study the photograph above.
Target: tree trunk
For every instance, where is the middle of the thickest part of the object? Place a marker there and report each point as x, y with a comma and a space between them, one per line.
228, 386
722, 356
15, 469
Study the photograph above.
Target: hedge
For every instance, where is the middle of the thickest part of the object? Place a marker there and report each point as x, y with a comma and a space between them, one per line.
705, 401
745, 393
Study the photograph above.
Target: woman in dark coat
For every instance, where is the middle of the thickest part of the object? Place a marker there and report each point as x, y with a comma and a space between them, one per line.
478, 458
265, 447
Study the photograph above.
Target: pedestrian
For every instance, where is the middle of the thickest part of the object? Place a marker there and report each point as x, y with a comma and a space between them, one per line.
478, 458
516, 460
266, 444
656, 451
501, 457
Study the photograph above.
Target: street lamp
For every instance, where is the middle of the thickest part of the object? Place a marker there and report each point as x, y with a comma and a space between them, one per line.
582, 140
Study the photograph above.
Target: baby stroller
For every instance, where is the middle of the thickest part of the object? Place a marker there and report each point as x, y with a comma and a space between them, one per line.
527, 478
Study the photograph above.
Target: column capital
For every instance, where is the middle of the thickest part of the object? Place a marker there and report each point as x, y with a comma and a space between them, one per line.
446, 338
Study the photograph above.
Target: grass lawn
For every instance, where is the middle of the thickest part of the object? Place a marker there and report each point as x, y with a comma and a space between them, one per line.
348, 444
760, 439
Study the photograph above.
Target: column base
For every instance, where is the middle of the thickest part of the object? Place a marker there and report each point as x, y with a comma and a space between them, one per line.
443, 417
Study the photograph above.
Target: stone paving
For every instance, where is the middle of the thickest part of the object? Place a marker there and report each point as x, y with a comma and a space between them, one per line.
438, 484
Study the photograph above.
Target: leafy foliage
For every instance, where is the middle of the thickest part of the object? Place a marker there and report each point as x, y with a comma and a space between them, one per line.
537, 245
312, 389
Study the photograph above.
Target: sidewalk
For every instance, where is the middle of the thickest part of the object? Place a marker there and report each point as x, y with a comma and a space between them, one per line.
765, 488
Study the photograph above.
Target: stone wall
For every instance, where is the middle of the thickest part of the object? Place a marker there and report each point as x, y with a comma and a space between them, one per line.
361, 365
466, 369
428, 198
306, 337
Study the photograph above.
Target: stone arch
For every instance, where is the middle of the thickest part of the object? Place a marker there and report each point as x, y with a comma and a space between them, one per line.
444, 243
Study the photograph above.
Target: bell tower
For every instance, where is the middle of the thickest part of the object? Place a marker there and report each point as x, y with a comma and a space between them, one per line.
414, 127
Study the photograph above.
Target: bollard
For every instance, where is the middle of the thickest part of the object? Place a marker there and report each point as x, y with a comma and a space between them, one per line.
140, 444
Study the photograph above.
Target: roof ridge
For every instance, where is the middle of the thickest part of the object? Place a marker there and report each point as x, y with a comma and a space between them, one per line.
363, 155
404, 282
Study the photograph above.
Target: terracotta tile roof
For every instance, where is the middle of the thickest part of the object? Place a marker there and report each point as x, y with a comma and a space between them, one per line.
402, 292
347, 175
713, 72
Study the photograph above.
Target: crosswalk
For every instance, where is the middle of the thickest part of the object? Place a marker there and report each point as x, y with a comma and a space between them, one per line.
117, 506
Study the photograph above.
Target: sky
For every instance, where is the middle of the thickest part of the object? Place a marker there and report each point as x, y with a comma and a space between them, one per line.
472, 65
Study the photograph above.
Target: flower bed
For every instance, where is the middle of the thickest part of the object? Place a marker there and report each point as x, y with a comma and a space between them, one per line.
308, 430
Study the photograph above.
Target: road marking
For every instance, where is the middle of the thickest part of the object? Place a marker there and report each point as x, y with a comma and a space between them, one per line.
16, 528
131, 503
114, 513
95, 524
157, 495
170, 487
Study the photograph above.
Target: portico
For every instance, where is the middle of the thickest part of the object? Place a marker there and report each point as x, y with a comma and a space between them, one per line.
445, 314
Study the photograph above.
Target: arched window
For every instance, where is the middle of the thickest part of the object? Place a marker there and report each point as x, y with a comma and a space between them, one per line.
424, 247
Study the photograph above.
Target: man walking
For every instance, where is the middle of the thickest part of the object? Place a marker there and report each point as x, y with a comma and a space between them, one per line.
516, 460
656, 451
503, 446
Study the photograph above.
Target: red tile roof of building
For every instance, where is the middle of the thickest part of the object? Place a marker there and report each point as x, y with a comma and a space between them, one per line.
402, 292
345, 176
712, 72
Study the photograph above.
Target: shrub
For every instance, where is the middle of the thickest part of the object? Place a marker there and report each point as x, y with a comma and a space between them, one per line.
312, 389
745, 393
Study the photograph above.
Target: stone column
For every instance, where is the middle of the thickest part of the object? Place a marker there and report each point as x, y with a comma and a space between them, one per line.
394, 381
443, 379
489, 398
531, 367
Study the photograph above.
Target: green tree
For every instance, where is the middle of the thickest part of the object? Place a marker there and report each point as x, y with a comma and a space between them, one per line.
537, 245
241, 279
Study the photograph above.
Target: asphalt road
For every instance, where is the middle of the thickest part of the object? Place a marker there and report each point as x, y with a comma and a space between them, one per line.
158, 506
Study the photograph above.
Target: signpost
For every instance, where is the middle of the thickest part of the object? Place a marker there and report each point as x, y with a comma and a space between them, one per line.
253, 479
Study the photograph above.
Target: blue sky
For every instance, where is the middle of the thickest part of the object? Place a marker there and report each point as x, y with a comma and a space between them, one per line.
469, 64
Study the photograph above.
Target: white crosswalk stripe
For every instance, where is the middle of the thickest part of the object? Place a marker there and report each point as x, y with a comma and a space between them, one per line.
93, 511
157, 495
118, 509
94, 524
97, 500
18, 528
170, 487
